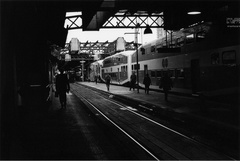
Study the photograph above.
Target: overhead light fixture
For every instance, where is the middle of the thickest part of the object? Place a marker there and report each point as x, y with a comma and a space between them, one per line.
194, 13
148, 30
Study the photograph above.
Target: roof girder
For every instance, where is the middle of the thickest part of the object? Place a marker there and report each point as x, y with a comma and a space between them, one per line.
122, 21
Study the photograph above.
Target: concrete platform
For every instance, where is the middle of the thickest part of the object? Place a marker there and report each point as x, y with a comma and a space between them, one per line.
68, 134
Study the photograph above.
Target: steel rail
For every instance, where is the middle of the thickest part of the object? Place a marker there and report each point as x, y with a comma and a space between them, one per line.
107, 118
163, 126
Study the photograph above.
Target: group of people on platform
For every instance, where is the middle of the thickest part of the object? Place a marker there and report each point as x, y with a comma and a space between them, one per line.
63, 87
165, 83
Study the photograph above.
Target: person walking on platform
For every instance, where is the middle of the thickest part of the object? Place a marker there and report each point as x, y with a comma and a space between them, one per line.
108, 80
166, 84
147, 82
62, 86
133, 79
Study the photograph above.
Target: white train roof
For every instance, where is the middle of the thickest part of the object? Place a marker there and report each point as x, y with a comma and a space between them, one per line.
124, 53
100, 62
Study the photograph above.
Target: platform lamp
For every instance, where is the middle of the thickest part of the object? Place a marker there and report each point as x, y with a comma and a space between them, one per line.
148, 30
194, 10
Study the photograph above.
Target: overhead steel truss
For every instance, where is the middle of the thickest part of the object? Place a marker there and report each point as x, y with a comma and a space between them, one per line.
120, 21
77, 57
89, 49
92, 47
132, 21
99, 47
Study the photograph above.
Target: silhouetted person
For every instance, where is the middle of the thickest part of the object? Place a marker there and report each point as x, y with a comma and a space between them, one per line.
133, 79
108, 80
147, 82
62, 86
166, 84
96, 79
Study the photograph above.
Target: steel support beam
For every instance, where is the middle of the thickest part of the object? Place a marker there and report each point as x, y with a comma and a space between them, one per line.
120, 21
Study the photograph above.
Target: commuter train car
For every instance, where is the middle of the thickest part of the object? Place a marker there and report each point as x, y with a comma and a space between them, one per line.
95, 70
199, 59
118, 66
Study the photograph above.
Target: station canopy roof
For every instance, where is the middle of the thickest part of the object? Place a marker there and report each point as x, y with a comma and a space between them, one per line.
96, 12
36, 22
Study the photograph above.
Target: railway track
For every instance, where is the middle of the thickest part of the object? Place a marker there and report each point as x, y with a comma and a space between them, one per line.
156, 139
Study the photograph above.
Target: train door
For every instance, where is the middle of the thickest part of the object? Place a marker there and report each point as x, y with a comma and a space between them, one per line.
118, 76
195, 75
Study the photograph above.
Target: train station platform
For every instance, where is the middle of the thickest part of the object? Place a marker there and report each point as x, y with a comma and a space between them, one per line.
74, 134
180, 103
62, 134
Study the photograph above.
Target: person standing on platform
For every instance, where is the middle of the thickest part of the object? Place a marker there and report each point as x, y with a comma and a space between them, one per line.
96, 79
166, 84
62, 87
147, 82
133, 79
108, 80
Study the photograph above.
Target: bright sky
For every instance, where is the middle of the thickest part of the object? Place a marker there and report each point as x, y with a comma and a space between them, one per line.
108, 34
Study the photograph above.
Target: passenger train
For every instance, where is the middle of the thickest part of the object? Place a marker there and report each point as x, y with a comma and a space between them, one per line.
203, 58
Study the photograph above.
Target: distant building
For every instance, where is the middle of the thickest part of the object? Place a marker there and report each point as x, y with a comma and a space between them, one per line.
74, 45
116, 46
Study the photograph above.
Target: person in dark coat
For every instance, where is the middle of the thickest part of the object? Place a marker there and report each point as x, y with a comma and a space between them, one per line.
133, 79
108, 80
62, 87
166, 84
96, 79
147, 82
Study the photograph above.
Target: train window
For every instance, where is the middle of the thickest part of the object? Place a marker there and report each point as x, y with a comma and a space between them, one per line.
143, 51
215, 58
201, 35
135, 66
179, 42
153, 74
126, 68
153, 48
229, 57
159, 74
179, 73
189, 39
107, 62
